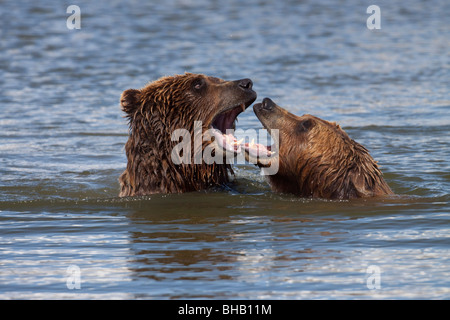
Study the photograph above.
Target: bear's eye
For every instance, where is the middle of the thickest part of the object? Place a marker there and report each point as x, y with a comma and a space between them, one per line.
198, 84
305, 125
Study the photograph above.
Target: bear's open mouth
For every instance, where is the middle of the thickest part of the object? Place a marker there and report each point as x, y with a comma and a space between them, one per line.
223, 127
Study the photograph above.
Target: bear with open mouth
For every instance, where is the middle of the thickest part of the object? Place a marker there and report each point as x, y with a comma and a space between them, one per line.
179, 102
316, 158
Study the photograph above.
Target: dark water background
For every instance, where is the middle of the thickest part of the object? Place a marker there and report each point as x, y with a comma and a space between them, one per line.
62, 136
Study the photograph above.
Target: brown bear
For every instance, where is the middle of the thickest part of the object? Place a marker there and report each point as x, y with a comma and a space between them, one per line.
179, 102
316, 158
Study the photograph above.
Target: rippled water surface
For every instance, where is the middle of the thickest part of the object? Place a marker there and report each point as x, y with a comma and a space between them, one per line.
62, 136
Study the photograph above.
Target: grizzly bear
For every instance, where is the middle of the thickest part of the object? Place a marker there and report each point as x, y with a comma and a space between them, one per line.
156, 111
316, 158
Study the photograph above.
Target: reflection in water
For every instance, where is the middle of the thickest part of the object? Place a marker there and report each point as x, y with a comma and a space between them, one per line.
233, 250
303, 246
219, 246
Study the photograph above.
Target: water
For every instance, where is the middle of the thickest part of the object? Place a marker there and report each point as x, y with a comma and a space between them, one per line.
62, 136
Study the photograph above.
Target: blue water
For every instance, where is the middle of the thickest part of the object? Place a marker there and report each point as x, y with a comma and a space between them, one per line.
62, 137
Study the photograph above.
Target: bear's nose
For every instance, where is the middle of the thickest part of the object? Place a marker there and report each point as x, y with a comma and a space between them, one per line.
246, 84
267, 104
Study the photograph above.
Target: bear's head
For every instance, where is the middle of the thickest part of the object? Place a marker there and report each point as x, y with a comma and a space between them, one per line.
316, 158
193, 103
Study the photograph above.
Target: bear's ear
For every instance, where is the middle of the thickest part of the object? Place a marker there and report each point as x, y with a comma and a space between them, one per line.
304, 126
130, 100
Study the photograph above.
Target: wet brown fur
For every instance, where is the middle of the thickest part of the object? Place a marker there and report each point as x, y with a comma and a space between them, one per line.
318, 159
154, 112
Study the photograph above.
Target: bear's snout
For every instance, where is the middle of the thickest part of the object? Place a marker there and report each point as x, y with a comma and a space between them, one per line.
267, 104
